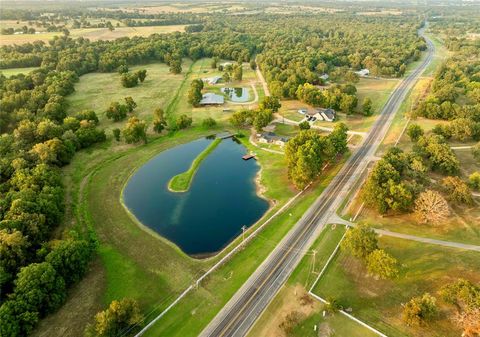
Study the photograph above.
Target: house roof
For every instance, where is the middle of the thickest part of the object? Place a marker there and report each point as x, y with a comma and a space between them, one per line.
211, 98
213, 79
271, 136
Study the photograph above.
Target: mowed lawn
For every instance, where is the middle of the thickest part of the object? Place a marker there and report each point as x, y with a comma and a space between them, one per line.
93, 34
424, 268
97, 91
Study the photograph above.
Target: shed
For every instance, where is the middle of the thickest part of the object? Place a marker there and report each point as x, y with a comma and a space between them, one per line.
212, 99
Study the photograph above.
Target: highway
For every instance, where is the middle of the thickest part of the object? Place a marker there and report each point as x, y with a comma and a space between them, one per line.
239, 314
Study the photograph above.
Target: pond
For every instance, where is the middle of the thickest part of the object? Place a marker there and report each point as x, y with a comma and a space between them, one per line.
222, 197
237, 94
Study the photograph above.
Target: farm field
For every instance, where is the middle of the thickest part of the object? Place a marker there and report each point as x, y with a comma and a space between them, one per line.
424, 268
94, 34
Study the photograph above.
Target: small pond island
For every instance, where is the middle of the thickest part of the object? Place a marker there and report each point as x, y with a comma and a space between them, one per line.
219, 194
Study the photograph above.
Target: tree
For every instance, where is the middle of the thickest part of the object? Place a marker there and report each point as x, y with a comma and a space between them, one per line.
304, 155
176, 66
367, 106
253, 64
13, 251
183, 122
122, 69
474, 180
419, 310
348, 104
159, 122
238, 72
431, 207
141, 74
209, 122
129, 80
121, 316
382, 264
270, 103
116, 111
476, 151
304, 125
130, 103
116, 134
134, 131
226, 77
39, 288
338, 137
457, 190
214, 62
70, 259
262, 119
414, 131
360, 241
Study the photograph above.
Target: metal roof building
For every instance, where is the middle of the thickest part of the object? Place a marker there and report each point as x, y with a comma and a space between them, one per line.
212, 99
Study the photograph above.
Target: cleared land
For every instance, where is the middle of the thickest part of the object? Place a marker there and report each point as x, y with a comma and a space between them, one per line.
155, 92
181, 182
378, 90
16, 71
424, 268
94, 34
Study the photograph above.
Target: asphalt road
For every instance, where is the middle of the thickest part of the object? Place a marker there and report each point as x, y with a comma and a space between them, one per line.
237, 317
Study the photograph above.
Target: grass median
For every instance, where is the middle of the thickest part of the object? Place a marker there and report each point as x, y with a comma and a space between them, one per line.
181, 182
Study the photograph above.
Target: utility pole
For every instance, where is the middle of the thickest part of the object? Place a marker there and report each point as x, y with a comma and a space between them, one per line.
314, 253
244, 228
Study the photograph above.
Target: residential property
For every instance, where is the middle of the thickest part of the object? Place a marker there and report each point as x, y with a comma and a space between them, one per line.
363, 72
272, 138
212, 99
212, 80
328, 115
320, 114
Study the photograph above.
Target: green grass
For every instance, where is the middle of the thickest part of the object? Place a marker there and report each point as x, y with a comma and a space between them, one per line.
289, 298
155, 92
16, 71
424, 268
181, 182
337, 324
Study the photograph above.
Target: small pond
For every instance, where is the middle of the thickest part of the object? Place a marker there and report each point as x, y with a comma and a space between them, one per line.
222, 197
237, 94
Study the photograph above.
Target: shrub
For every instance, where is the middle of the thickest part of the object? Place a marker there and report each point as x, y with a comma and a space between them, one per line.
419, 310
414, 131
209, 122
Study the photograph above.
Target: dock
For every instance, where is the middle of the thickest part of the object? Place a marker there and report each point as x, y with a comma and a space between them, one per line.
249, 156
224, 135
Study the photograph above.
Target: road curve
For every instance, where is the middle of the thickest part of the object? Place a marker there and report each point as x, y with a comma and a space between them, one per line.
239, 314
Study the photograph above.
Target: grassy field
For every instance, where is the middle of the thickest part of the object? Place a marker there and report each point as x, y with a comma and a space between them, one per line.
181, 182
293, 298
93, 34
155, 92
424, 268
16, 71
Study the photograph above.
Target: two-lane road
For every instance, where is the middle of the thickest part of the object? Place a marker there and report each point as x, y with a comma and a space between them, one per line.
237, 317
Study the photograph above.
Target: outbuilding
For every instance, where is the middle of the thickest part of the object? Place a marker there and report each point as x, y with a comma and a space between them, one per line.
212, 99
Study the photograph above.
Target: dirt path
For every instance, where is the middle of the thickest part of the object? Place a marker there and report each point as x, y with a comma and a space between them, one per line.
262, 80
